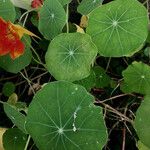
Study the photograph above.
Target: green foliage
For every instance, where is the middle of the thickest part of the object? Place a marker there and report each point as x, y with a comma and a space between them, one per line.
16, 117
86, 6
141, 146
14, 139
118, 28
7, 10
102, 79
142, 121
137, 77
66, 113
61, 115
64, 2
14, 66
70, 56
52, 19
8, 88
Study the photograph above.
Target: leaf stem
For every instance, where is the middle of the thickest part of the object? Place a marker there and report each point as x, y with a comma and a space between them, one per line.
27, 143
67, 18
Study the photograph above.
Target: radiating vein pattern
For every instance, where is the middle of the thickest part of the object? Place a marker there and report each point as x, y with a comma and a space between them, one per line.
65, 120
140, 72
69, 56
119, 28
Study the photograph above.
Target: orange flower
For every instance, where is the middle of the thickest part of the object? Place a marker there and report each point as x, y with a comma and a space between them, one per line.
10, 39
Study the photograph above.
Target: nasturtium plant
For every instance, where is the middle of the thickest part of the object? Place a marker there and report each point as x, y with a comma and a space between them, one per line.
16, 117
137, 77
16, 65
142, 121
14, 139
70, 56
60, 116
118, 28
86, 6
82, 78
52, 19
7, 10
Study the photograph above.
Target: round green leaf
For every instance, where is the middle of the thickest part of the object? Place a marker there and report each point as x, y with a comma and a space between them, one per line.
70, 56
142, 121
137, 77
52, 18
102, 79
8, 88
86, 6
7, 10
62, 116
14, 139
119, 28
14, 66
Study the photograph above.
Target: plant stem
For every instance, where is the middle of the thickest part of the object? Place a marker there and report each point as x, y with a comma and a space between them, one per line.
27, 143
67, 18
1, 102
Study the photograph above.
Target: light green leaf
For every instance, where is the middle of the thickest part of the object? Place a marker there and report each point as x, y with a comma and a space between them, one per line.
137, 77
119, 28
64, 2
14, 139
86, 6
15, 116
25, 4
70, 56
14, 66
7, 10
141, 146
62, 116
52, 18
142, 121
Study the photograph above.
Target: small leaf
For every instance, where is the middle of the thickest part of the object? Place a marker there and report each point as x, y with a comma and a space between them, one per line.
137, 77
8, 88
86, 6
70, 56
15, 116
119, 28
14, 139
142, 121
7, 10
62, 116
102, 79
52, 19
